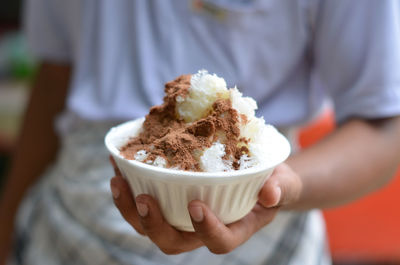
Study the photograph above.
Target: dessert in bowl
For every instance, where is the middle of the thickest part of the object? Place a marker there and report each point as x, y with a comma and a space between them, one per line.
204, 142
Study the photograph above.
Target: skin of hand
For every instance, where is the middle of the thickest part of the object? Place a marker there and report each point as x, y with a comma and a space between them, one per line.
144, 214
372, 151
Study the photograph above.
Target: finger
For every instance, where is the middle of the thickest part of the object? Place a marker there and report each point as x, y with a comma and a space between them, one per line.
257, 218
125, 202
282, 188
166, 237
252, 222
222, 239
215, 235
270, 193
114, 164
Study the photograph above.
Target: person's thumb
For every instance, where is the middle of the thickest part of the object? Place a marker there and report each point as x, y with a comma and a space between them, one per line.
282, 188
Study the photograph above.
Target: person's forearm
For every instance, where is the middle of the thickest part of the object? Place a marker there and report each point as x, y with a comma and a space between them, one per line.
37, 143
357, 158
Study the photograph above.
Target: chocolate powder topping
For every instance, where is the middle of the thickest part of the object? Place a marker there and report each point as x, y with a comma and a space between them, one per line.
181, 144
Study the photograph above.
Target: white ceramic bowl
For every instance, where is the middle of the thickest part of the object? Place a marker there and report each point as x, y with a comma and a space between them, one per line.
230, 195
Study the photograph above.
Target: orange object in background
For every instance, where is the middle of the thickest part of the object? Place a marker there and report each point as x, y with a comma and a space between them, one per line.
368, 229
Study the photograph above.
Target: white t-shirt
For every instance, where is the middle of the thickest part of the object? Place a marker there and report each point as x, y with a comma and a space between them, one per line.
289, 55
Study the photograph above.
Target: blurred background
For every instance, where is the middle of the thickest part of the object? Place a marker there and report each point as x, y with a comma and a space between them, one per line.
364, 232
16, 72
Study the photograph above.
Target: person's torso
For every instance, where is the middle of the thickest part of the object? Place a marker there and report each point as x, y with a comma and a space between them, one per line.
123, 52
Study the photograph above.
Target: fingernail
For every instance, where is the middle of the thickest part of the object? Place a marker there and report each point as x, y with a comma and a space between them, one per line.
115, 192
142, 209
278, 193
196, 212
